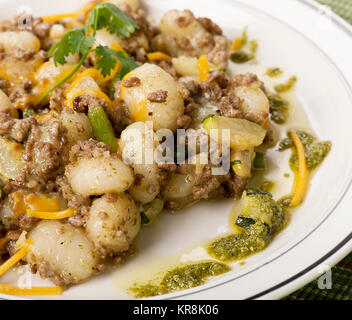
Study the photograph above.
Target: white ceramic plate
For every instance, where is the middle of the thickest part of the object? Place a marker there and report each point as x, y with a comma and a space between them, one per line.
301, 39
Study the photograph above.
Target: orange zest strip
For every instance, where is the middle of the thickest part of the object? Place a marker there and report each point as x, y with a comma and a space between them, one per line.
54, 215
300, 185
30, 291
16, 257
203, 68
157, 56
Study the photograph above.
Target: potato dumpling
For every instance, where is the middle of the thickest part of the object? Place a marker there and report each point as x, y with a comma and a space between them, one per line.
96, 176
133, 4
136, 141
177, 26
64, 249
255, 104
179, 186
151, 94
6, 105
11, 161
113, 224
78, 127
11, 40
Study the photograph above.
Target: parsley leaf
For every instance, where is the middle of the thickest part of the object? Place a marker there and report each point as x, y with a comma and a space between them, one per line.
74, 41
107, 15
107, 58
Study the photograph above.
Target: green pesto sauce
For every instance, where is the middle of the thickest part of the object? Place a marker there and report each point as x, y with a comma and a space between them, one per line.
267, 186
315, 151
284, 87
260, 219
278, 108
181, 278
273, 72
241, 56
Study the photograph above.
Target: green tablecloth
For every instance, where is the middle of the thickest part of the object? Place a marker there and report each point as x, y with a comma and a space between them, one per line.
341, 274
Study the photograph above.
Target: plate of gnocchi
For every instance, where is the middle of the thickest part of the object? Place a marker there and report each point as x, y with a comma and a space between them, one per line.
172, 149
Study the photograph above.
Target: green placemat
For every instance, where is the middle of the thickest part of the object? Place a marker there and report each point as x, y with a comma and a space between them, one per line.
341, 274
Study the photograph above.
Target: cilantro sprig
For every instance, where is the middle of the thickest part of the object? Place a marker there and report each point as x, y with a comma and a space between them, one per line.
81, 41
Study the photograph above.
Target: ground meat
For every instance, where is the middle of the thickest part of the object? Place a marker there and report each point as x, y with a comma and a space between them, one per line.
119, 116
211, 90
230, 106
184, 121
74, 200
84, 102
159, 96
89, 149
20, 94
23, 54
57, 99
235, 186
46, 157
210, 26
188, 87
27, 223
16, 129
40, 28
167, 66
219, 57
167, 166
45, 272
131, 82
9, 25
244, 80
185, 20
138, 178
163, 177
3, 84
220, 78
205, 40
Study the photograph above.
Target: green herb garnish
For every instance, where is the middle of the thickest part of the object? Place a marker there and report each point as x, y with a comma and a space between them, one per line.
78, 41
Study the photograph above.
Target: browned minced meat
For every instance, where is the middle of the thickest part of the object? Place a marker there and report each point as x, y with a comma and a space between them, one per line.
184, 121
131, 82
119, 116
41, 28
134, 49
89, 149
210, 26
138, 178
230, 106
188, 87
20, 94
211, 90
159, 96
57, 99
17, 129
23, 54
45, 272
46, 158
84, 102
167, 66
212, 187
27, 223
167, 166
74, 200
9, 25
246, 80
186, 19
